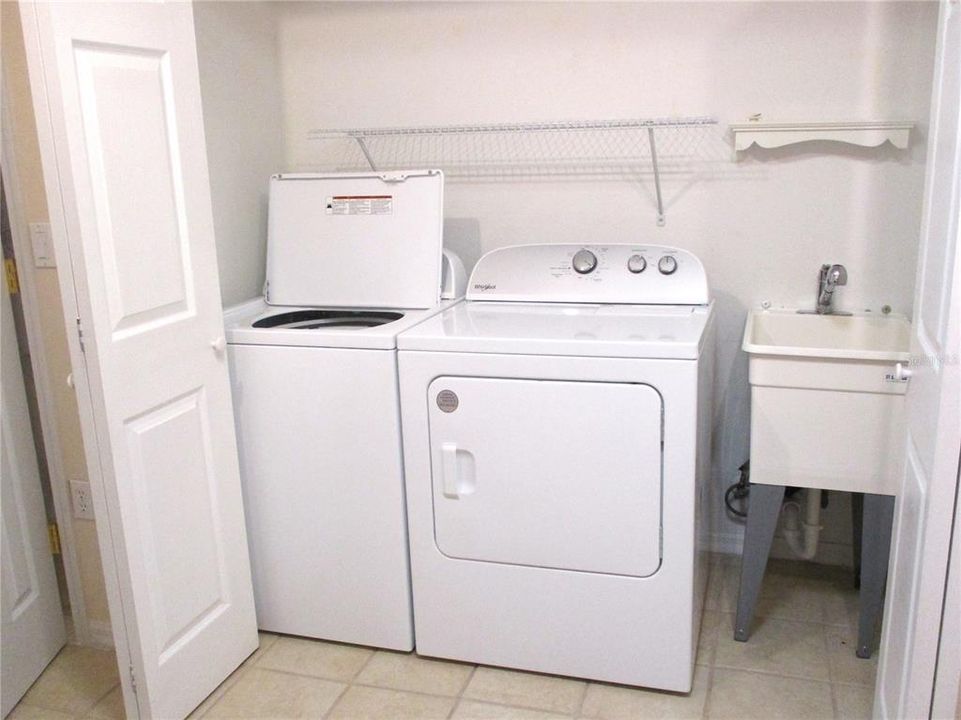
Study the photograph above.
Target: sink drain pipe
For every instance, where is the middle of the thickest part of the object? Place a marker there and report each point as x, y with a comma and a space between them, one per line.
802, 535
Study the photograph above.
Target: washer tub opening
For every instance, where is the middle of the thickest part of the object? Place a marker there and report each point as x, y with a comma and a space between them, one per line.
318, 319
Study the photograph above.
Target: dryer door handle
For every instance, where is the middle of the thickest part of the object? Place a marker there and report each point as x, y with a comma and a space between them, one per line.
448, 456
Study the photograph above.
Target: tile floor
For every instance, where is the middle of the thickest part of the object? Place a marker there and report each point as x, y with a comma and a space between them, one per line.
799, 663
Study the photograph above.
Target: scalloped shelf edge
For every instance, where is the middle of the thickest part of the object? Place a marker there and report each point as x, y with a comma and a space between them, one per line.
865, 134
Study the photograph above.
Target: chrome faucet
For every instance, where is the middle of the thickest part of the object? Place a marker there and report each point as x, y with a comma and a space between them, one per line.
829, 278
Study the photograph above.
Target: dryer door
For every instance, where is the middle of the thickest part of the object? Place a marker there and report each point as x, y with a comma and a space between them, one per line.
551, 474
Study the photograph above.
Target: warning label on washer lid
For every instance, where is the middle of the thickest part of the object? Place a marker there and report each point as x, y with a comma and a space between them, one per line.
360, 205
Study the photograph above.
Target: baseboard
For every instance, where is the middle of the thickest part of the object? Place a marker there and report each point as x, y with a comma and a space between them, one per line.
828, 553
729, 543
99, 634
726, 543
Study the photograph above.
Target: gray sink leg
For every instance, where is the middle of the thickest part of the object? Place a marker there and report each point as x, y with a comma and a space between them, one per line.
857, 514
762, 515
875, 549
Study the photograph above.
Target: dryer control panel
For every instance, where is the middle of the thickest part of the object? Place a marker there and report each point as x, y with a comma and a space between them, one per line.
618, 274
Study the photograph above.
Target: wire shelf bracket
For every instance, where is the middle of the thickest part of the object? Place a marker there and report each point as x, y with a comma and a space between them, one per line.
593, 147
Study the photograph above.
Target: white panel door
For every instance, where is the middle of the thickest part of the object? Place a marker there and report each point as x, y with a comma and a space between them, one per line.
32, 631
118, 102
925, 504
547, 473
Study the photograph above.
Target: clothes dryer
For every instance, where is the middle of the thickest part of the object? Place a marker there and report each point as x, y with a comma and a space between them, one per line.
557, 449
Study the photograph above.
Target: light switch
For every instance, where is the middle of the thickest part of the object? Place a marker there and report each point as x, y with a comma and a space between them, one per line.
42, 245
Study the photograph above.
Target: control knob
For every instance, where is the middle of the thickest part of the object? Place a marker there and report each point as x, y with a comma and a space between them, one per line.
667, 265
584, 262
636, 264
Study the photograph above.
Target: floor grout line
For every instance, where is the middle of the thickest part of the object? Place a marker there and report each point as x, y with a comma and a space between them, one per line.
827, 649
705, 711
404, 690
99, 699
336, 702
527, 708
354, 682
224, 687
768, 673
579, 710
460, 694
470, 676
363, 667
834, 702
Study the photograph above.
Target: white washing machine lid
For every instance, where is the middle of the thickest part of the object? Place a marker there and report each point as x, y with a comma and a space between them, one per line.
591, 330
363, 240
257, 323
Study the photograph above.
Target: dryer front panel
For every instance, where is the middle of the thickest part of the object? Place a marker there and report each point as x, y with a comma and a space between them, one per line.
551, 474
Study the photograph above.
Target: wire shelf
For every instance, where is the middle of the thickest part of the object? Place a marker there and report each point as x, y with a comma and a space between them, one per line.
628, 148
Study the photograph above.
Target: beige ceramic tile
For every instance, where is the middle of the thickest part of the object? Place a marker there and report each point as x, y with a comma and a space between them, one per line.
841, 606
76, 679
854, 702
792, 598
361, 703
407, 671
775, 646
616, 702
742, 695
807, 570
707, 640
473, 710
846, 667
540, 692
218, 693
31, 712
109, 707
792, 590
331, 661
723, 583
262, 693
266, 640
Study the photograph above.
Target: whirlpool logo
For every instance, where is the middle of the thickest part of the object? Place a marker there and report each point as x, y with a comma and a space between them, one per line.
483, 287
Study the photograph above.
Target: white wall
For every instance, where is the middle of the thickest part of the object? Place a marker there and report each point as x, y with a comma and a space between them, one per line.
762, 225
240, 86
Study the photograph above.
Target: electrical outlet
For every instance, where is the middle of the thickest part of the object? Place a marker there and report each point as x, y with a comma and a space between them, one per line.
42, 245
82, 502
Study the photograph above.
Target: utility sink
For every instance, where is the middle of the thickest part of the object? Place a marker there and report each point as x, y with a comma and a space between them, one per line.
855, 337
827, 399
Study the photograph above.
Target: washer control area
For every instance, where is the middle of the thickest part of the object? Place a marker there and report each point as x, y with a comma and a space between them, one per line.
584, 262
619, 274
636, 264
667, 265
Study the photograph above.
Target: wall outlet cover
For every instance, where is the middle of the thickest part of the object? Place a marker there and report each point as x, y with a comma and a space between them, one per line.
82, 502
42, 244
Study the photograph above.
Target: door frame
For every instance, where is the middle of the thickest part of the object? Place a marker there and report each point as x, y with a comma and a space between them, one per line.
26, 273
71, 293
947, 695
929, 509
53, 132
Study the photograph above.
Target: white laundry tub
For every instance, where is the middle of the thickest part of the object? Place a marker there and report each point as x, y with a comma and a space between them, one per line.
827, 399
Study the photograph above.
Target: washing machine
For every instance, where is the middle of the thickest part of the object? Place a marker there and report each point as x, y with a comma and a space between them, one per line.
352, 261
557, 449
